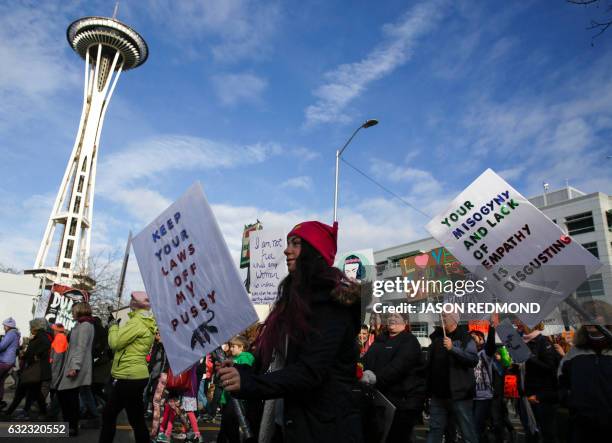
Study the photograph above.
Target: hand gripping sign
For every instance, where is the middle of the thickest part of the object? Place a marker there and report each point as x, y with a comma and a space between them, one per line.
196, 293
528, 262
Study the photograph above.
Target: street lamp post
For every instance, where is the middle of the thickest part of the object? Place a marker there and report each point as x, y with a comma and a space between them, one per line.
367, 124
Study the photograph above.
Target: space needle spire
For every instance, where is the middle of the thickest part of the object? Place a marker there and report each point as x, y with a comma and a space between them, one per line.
108, 48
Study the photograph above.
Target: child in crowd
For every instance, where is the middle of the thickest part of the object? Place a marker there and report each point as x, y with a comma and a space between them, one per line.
181, 401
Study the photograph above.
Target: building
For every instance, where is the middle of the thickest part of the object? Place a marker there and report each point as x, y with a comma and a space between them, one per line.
587, 218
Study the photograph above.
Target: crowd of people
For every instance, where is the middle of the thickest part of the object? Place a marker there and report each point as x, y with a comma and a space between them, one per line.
313, 372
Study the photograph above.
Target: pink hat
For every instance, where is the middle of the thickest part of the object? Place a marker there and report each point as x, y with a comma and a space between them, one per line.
139, 300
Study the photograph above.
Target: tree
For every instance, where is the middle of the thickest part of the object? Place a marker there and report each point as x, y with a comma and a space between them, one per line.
600, 25
103, 269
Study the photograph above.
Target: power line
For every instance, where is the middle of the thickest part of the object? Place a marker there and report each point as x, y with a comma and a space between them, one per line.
410, 205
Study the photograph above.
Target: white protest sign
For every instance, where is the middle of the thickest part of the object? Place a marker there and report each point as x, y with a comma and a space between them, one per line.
524, 257
195, 290
267, 264
357, 265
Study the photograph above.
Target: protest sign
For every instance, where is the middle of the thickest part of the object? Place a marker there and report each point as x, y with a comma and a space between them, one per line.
42, 304
513, 341
244, 252
60, 304
526, 260
196, 293
267, 264
357, 265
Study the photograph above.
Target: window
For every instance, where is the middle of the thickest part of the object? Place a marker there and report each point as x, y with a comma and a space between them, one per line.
592, 248
609, 220
580, 223
593, 287
419, 329
380, 267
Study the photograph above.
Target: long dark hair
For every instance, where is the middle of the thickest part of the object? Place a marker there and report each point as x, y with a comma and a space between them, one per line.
291, 311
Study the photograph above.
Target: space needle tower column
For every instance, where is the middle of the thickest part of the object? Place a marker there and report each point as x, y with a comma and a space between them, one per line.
108, 48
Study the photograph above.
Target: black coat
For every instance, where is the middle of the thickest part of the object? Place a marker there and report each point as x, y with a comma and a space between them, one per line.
38, 350
541, 370
585, 383
462, 359
397, 363
318, 376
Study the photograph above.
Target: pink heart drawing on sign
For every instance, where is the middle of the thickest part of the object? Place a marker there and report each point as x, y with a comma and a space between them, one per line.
421, 260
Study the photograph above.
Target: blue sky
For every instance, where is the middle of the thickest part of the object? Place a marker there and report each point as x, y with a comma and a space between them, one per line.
252, 98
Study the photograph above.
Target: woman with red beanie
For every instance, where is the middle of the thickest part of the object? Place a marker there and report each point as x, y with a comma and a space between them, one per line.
306, 352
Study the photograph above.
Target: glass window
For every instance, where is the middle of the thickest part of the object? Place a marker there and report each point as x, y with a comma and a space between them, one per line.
592, 248
580, 223
593, 287
419, 329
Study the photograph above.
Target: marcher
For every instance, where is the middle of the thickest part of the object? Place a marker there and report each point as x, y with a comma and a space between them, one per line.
362, 339
394, 365
131, 344
59, 346
451, 382
483, 373
77, 368
34, 370
308, 345
102, 363
585, 376
181, 403
9, 346
229, 432
155, 361
538, 386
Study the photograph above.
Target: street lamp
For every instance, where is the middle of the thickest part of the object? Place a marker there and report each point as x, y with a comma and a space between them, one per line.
367, 124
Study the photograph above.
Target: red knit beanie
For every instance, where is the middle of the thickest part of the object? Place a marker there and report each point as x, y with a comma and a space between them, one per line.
322, 237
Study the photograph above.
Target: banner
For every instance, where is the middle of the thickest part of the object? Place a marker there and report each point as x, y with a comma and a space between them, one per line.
524, 257
196, 293
60, 304
268, 266
437, 264
357, 265
244, 254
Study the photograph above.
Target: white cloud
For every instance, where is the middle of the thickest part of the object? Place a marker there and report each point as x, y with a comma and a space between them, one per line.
34, 58
421, 181
120, 173
236, 88
302, 182
349, 81
233, 29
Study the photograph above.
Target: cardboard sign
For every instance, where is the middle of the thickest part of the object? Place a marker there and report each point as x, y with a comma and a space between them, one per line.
513, 341
268, 266
497, 234
244, 253
60, 304
357, 265
195, 290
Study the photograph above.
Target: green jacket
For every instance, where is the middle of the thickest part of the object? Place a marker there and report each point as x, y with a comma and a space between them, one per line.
244, 358
131, 344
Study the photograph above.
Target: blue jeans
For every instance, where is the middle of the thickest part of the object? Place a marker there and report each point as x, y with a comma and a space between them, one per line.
202, 400
461, 410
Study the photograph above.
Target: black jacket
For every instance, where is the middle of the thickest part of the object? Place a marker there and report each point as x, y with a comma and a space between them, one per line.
397, 363
585, 382
461, 360
541, 370
38, 350
318, 376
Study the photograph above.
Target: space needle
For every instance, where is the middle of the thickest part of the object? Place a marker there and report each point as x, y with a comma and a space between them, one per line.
108, 48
